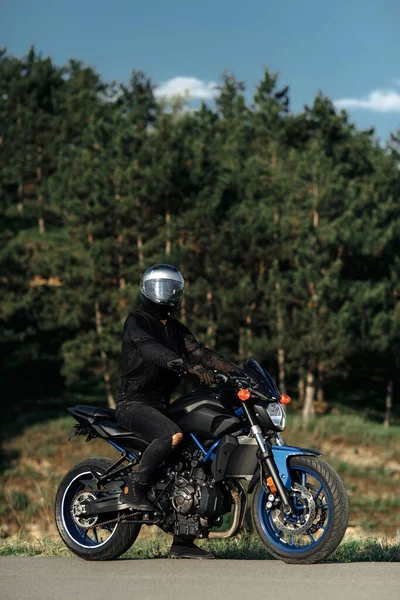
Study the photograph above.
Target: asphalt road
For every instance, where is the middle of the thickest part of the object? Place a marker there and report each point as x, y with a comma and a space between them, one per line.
69, 578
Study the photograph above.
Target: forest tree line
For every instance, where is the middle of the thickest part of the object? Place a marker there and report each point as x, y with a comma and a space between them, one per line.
285, 226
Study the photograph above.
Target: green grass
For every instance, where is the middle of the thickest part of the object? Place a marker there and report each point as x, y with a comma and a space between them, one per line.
39, 548
46, 438
244, 547
376, 475
376, 503
354, 428
369, 550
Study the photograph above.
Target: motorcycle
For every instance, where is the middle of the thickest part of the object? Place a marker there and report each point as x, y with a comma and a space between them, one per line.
232, 449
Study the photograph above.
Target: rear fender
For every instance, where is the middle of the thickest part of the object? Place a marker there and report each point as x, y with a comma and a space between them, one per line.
282, 456
97, 426
82, 419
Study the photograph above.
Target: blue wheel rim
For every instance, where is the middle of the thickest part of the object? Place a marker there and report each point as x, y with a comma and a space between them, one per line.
83, 537
308, 541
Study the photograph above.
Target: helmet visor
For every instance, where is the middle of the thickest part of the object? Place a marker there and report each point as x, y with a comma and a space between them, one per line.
163, 291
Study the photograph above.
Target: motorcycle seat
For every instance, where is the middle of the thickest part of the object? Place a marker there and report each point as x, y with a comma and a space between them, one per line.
108, 424
114, 430
94, 411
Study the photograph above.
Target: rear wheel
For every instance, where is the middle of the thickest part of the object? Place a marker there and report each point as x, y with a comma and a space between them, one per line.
90, 537
321, 515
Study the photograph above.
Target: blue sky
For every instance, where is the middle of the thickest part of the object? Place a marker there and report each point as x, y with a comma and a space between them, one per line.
349, 50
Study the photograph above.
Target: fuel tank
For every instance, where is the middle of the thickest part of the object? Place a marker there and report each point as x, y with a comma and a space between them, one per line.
204, 412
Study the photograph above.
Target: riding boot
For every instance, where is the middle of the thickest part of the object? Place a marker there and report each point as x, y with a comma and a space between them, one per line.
135, 493
184, 547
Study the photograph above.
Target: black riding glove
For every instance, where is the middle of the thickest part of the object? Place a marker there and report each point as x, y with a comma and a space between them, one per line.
184, 368
206, 377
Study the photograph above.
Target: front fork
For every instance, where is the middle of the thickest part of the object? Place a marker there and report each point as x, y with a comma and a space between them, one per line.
267, 461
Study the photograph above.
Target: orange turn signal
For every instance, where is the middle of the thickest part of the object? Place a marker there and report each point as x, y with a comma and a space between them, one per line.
244, 395
271, 485
285, 399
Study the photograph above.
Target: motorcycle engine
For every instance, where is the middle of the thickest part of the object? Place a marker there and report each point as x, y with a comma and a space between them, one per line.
186, 496
195, 494
198, 504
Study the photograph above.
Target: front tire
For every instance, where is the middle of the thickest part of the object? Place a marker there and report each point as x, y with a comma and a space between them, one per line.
322, 514
89, 542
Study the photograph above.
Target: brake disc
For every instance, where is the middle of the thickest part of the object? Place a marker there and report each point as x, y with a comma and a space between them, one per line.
77, 512
300, 521
320, 513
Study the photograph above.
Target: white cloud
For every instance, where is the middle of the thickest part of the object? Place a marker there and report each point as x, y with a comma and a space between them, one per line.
383, 101
187, 86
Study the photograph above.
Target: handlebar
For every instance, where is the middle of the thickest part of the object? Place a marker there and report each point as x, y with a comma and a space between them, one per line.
236, 379
221, 378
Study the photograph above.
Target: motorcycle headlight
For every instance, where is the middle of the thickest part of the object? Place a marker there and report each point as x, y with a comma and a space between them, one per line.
277, 415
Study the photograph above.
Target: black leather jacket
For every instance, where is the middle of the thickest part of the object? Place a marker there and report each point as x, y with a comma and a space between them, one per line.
148, 349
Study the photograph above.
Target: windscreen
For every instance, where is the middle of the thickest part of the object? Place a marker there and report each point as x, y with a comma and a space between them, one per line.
267, 385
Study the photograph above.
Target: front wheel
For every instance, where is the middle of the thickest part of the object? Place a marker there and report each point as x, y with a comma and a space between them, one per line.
91, 538
319, 521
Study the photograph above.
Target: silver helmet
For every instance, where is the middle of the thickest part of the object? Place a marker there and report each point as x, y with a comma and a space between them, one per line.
161, 288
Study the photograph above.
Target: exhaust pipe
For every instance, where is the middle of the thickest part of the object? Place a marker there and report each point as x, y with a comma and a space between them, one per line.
236, 520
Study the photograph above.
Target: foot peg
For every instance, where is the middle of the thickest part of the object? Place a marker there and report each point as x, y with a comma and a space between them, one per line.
134, 494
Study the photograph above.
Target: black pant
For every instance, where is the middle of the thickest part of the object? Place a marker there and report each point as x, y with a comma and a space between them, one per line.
151, 425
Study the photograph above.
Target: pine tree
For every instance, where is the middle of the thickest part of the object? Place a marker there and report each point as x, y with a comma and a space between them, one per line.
285, 227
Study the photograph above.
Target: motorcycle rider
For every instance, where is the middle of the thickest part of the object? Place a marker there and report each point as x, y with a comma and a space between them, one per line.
157, 350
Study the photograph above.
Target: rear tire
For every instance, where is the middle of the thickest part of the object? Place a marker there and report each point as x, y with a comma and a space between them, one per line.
336, 523
122, 536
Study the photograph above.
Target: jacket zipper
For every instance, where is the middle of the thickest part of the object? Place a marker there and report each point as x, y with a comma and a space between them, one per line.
166, 333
